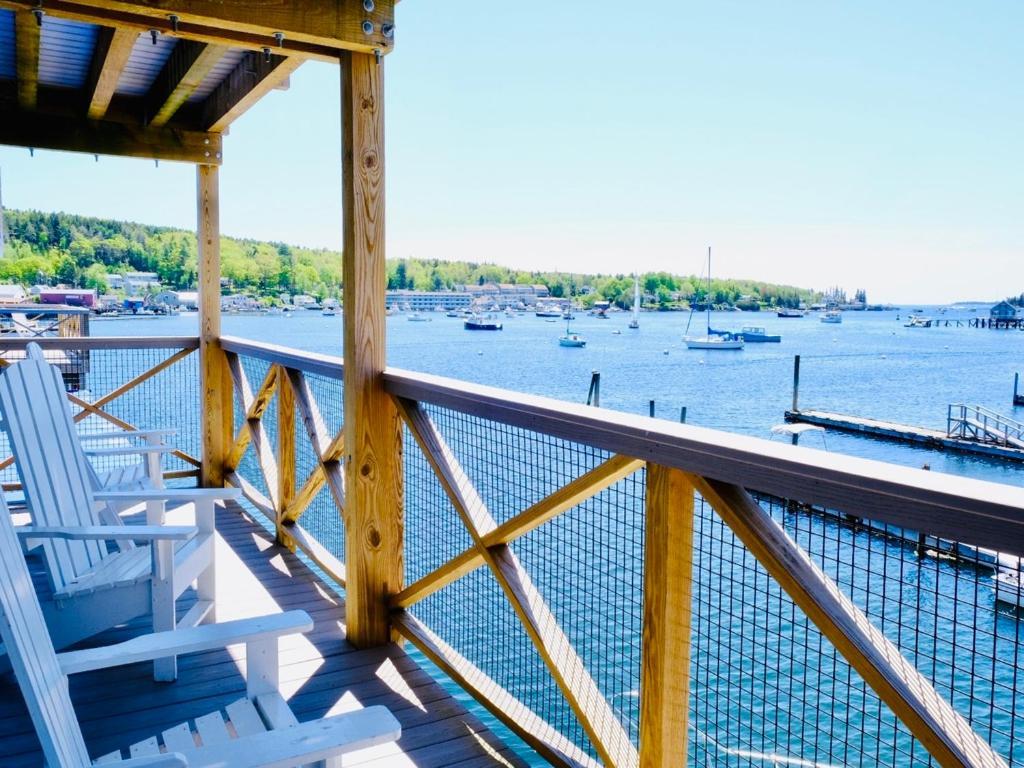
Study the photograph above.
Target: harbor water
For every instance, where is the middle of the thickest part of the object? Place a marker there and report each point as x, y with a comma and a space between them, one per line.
767, 690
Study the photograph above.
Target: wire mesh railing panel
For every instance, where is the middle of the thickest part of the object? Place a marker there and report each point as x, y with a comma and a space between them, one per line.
588, 564
585, 565
768, 689
169, 399
433, 532
249, 467
487, 449
322, 518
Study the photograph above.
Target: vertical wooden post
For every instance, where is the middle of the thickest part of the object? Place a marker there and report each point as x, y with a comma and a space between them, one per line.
214, 378
665, 659
373, 437
285, 456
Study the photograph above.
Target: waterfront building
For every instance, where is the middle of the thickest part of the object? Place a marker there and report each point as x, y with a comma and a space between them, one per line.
427, 301
12, 294
72, 297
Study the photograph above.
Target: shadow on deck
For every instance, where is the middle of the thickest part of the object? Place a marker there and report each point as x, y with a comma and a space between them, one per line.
321, 673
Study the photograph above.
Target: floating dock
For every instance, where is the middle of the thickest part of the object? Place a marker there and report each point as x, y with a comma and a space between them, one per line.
887, 430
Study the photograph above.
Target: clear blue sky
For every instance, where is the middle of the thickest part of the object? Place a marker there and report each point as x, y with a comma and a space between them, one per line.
866, 144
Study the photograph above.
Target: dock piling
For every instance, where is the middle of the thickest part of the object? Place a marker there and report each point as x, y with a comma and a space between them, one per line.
796, 381
594, 395
682, 415
650, 408
1018, 399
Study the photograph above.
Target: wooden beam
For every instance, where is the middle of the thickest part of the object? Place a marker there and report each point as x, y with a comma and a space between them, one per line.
665, 650
79, 134
928, 716
285, 458
252, 79
184, 71
373, 436
216, 395
113, 47
26, 56
314, 28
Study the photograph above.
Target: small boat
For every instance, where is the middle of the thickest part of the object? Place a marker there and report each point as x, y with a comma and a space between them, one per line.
451, 313
568, 315
1009, 587
711, 340
635, 322
917, 321
331, 308
548, 312
481, 323
756, 335
832, 316
787, 312
571, 338
417, 317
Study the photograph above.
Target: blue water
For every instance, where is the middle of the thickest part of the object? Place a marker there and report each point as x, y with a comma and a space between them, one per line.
764, 682
870, 365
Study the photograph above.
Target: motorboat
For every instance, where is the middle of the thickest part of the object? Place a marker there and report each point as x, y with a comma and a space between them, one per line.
755, 334
833, 316
788, 312
482, 323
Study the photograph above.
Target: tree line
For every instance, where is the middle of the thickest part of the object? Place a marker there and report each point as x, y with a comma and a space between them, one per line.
82, 251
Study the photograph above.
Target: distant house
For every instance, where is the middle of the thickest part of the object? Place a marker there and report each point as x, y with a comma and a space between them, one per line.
187, 300
541, 291
12, 294
140, 282
1004, 310
72, 297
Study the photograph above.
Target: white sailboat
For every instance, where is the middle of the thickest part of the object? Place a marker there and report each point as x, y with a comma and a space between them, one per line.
711, 340
635, 322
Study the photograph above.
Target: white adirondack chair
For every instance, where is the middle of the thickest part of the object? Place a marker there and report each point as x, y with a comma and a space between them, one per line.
95, 588
264, 732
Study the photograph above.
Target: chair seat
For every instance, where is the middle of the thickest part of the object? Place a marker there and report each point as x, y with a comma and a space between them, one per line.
120, 569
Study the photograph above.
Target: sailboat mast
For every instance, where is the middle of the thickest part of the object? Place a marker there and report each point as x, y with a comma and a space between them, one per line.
707, 299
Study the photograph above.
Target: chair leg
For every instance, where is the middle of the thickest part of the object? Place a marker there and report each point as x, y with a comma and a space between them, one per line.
164, 619
206, 584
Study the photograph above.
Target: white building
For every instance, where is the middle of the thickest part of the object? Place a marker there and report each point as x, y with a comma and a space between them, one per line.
12, 294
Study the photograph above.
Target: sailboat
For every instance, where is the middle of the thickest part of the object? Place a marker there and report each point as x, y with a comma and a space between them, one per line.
635, 322
571, 338
711, 340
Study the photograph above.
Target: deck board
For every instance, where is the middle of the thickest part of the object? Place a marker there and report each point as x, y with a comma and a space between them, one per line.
321, 673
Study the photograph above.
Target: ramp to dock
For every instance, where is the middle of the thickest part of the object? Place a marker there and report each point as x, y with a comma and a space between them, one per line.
1012, 449
975, 422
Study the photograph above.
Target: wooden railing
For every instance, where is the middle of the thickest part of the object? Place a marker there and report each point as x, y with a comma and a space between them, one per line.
678, 464
678, 460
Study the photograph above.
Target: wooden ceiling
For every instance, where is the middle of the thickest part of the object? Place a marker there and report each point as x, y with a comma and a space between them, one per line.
162, 78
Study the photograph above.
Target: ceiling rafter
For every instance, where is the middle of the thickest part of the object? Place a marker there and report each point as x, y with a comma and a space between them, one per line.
186, 68
247, 83
26, 45
113, 47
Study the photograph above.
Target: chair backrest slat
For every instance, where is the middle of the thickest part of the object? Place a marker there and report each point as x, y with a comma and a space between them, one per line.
27, 642
56, 476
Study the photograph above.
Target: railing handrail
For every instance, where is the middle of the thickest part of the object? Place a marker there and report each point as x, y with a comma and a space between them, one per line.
982, 513
100, 342
330, 366
988, 417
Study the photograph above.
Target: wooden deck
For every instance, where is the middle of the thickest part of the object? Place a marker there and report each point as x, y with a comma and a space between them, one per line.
320, 673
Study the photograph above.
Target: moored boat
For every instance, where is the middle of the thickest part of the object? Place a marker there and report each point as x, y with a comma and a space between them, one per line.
481, 323
417, 317
787, 312
832, 316
712, 339
757, 335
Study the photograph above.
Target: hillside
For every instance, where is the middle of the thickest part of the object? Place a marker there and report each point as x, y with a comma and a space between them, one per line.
82, 251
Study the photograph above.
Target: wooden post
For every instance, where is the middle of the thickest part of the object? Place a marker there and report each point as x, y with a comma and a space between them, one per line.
796, 381
650, 408
594, 395
373, 437
285, 457
215, 380
682, 414
668, 578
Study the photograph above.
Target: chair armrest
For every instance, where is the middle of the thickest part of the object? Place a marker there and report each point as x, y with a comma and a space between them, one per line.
126, 450
181, 641
114, 434
110, 532
169, 494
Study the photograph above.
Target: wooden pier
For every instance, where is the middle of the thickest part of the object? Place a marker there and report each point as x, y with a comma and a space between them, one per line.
887, 430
